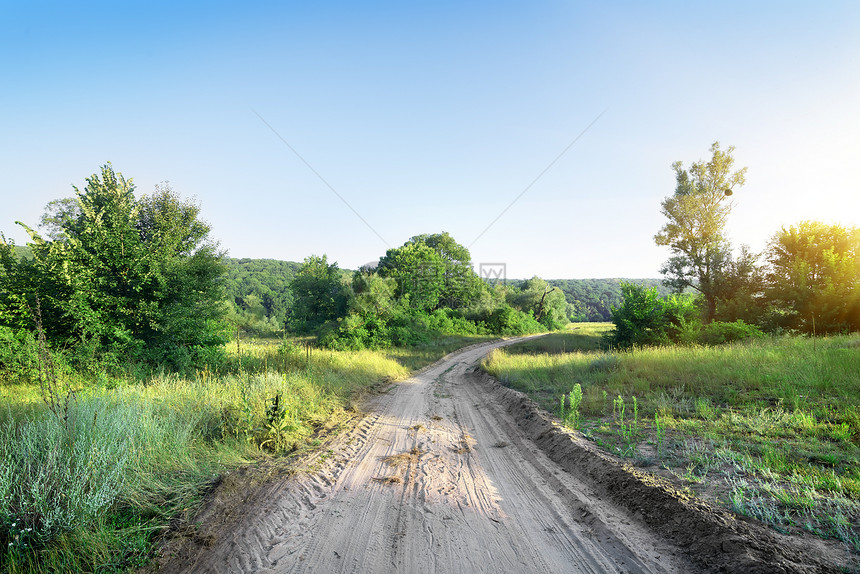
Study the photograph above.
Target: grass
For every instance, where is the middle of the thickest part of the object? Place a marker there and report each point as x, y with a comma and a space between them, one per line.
89, 486
771, 427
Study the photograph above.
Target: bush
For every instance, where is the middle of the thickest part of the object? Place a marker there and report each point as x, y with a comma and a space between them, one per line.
641, 319
508, 321
719, 332
19, 356
59, 474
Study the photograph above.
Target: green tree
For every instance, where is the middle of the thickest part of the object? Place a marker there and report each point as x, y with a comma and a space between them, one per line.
740, 288
320, 294
419, 272
813, 279
127, 276
434, 271
695, 230
545, 302
374, 295
460, 283
640, 319
59, 214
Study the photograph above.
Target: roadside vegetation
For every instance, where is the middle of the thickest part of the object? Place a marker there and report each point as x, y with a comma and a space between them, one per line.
769, 427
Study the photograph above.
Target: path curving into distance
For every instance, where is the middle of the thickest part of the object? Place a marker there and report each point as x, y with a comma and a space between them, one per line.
437, 476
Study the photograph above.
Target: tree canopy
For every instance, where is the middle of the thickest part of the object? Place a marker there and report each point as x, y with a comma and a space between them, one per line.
319, 292
697, 214
814, 277
120, 275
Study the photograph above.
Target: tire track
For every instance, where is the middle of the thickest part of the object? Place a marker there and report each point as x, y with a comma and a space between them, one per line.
436, 479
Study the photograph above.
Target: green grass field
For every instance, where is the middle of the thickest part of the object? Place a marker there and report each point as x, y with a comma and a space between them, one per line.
771, 428
87, 485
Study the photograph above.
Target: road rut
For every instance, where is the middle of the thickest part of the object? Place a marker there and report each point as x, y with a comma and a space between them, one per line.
438, 476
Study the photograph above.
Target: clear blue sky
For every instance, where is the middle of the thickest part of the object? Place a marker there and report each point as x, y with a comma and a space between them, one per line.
432, 116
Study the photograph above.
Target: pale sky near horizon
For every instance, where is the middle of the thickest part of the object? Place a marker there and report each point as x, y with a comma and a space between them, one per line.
434, 116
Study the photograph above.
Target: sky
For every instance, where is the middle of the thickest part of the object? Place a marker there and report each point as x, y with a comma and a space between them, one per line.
541, 135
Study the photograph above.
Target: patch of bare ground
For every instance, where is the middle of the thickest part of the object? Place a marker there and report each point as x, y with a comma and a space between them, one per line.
491, 485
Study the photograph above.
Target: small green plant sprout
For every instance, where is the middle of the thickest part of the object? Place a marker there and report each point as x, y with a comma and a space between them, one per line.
618, 410
660, 429
635, 416
627, 431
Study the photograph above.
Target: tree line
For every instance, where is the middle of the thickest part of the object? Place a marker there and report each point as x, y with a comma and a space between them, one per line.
806, 280
110, 278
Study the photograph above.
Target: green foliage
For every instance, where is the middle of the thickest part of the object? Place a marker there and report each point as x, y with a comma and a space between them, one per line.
813, 278
124, 277
697, 215
591, 300
258, 293
645, 318
641, 320
718, 332
434, 271
19, 356
426, 289
546, 303
509, 321
419, 272
320, 294
740, 286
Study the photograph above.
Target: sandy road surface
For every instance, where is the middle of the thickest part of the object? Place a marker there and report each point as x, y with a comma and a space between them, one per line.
437, 478
452, 472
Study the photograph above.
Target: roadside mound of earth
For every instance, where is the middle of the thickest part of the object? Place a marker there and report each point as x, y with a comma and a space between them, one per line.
714, 538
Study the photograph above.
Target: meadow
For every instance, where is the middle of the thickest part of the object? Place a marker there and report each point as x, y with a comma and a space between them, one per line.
94, 468
769, 428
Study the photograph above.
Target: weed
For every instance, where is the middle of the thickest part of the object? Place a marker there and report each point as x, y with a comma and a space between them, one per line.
660, 433
570, 416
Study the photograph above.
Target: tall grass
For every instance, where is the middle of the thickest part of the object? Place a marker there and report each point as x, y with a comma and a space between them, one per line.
85, 489
773, 425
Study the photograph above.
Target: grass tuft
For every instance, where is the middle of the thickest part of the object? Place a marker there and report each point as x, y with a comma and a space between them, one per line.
771, 425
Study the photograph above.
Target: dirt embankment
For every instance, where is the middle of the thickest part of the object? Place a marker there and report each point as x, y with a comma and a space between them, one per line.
450, 471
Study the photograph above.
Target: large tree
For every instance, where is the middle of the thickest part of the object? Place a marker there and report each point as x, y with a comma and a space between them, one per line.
320, 294
136, 277
813, 278
695, 230
545, 302
433, 270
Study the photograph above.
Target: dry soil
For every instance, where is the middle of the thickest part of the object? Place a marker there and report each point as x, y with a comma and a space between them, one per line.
449, 471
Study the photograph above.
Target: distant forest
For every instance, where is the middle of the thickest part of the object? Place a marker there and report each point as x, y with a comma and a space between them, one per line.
258, 291
259, 296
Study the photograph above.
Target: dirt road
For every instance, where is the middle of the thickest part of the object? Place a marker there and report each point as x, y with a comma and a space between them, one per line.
441, 475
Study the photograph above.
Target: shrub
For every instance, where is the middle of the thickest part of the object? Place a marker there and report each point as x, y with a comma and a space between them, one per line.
57, 475
508, 321
718, 332
19, 356
641, 318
